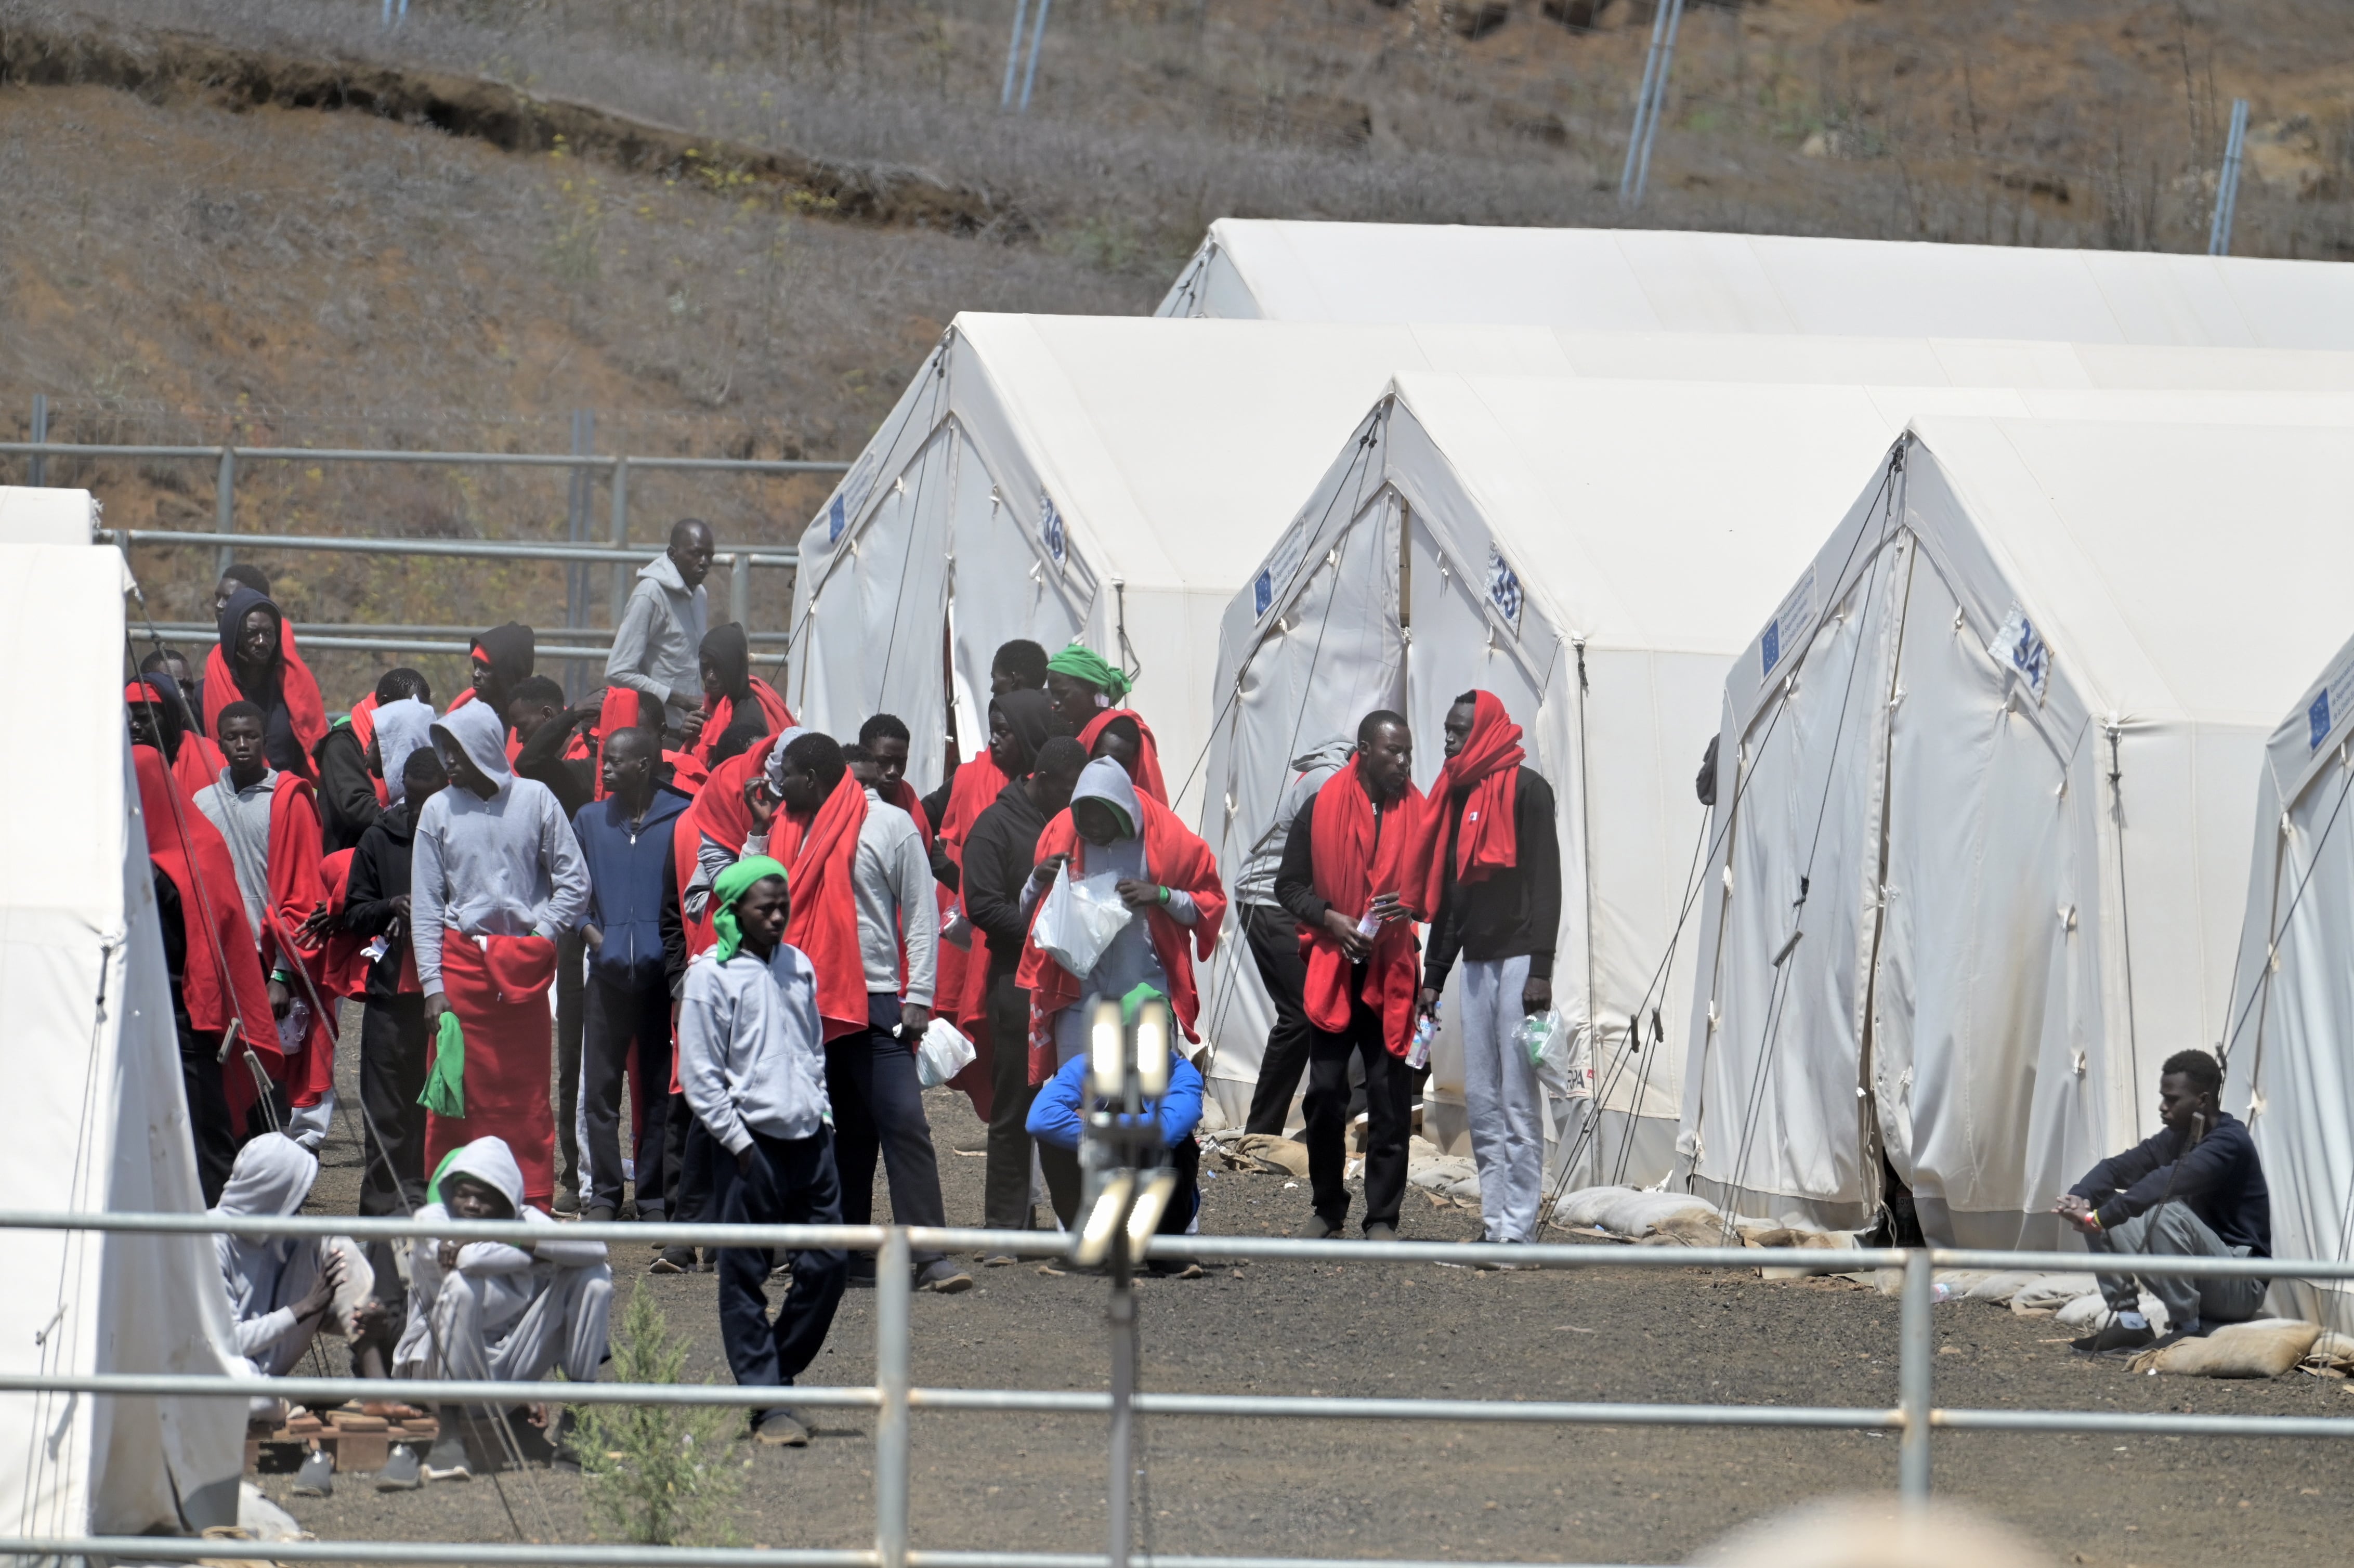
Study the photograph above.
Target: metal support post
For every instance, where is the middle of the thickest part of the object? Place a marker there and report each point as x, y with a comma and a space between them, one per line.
1121, 1315
1659, 98
2227, 184
894, 1280
739, 590
1037, 37
38, 466
1916, 1357
1643, 101
224, 505
620, 535
1012, 55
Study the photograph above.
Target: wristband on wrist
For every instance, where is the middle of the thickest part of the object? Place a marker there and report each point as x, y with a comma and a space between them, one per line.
1164, 893
282, 975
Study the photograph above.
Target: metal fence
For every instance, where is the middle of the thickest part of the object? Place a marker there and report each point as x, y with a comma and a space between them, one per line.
617, 551
1914, 1417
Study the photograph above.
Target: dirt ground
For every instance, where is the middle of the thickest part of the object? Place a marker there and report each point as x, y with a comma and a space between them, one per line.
1412, 1490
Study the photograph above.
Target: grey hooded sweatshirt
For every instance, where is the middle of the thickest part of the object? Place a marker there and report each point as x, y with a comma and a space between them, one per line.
655, 647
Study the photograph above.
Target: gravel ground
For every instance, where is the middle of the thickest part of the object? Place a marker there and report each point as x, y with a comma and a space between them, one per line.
1412, 1490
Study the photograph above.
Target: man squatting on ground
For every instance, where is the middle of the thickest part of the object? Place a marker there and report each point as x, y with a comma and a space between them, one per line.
1356, 852
493, 1311
752, 1065
1497, 890
2196, 1189
285, 1291
496, 873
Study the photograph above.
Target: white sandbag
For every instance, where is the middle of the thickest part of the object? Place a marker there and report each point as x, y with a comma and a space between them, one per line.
1633, 1211
2331, 1355
2265, 1348
943, 1052
1079, 919
2044, 1296
2087, 1313
2000, 1287
1450, 1175
1265, 1152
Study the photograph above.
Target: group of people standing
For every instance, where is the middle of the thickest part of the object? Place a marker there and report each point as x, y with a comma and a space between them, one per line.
746, 927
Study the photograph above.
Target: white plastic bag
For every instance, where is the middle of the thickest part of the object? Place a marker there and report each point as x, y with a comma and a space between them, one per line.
1546, 1039
942, 1053
1078, 920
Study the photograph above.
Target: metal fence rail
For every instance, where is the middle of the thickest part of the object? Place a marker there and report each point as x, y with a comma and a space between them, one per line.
1914, 1417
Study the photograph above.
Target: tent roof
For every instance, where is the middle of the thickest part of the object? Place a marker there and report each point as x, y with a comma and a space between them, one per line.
1648, 279
1093, 399
2191, 571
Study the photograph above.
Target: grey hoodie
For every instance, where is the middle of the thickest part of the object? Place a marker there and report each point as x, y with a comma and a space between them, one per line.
655, 647
402, 727
1310, 772
271, 1177
509, 1277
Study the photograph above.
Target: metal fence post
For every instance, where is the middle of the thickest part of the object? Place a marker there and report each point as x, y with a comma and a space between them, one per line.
37, 468
224, 505
1916, 1361
739, 588
894, 1280
620, 535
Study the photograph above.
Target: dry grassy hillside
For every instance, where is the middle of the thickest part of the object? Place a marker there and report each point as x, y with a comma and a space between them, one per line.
735, 224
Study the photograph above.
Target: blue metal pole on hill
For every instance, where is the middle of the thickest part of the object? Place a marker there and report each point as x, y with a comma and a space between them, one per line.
1659, 98
1643, 100
1012, 55
1037, 37
2227, 185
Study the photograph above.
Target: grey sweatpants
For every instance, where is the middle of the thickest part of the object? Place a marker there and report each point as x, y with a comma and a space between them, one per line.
2171, 1230
1501, 1099
564, 1326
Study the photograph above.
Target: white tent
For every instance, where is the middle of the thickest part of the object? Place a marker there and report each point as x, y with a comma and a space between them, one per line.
97, 1118
1594, 552
1612, 280
2286, 1060
1120, 479
1986, 785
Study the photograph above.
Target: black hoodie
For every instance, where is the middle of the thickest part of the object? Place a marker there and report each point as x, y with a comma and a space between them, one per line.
379, 875
999, 855
511, 652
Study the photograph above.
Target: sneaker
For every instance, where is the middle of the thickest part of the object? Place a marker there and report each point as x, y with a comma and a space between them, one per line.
780, 1429
1380, 1231
317, 1476
673, 1260
447, 1462
2115, 1340
567, 1202
946, 1278
402, 1472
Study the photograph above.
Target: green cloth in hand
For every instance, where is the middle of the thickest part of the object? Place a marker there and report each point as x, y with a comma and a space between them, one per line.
445, 1080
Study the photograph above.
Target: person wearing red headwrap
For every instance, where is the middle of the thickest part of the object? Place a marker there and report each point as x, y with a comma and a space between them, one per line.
1123, 735
215, 967
1350, 877
1493, 881
160, 718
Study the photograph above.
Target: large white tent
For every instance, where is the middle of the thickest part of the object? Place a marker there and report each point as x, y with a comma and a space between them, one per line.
1988, 775
97, 1121
1594, 552
2287, 1070
1120, 479
1614, 279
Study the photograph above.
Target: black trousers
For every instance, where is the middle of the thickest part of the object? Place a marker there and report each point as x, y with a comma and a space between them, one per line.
1005, 1203
395, 1050
790, 1182
1388, 1107
571, 1017
879, 1108
1274, 938
686, 1153
620, 1014
208, 1101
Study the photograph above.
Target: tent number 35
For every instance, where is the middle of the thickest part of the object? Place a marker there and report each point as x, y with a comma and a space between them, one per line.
1504, 589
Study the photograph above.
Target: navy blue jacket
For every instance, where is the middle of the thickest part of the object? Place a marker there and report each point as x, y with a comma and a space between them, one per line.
2220, 1181
633, 890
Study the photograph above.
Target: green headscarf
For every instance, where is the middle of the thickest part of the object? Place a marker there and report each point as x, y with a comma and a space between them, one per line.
730, 890
1081, 663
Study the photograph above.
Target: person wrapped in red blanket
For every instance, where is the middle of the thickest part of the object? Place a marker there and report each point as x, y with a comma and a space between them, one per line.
1351, 876
738, 707
1162, 873
1083, 686
160, 718
255, 661
495, 875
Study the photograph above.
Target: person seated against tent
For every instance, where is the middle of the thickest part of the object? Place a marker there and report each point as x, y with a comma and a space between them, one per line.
284, 1291
495, 874
738, 707
254, 661
752, 1067
353, 787
1083, 688
656, 648
1494, 882
494, 1311
2195, 1188
1058, 1116
1162, 873
271, 822
1349, 877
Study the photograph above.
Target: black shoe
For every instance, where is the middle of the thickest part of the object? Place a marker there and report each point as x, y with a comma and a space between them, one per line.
598, 1214
447, 1462
673, 1260
943, 1277
1380, 1230
1321, 1229
857, 1281
780, 1429
567, 1201
2115, 1340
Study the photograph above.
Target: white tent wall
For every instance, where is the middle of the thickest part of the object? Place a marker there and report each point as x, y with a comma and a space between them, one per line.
100, 1123
1672, 281
2002, 924
2286, 1067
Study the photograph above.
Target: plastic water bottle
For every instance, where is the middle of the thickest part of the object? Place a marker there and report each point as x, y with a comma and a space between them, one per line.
1425, 1030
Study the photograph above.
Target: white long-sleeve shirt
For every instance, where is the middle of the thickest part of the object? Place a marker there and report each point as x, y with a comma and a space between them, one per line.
751, 1048
507, 866
891, 877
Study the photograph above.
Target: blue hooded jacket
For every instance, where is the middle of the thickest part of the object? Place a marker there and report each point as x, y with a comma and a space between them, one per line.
631, 876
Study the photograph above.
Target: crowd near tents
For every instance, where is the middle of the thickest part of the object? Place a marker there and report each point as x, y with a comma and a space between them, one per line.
1906, 632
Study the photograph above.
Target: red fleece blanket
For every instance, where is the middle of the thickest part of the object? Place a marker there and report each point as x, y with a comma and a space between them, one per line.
498, 986
1351, 869
1148, 757
304, 709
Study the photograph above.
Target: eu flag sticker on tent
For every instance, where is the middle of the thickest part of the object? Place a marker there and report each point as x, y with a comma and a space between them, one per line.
2317, 719
2330, 706
1790, 618
1504, 589
2018, 649
1262, 592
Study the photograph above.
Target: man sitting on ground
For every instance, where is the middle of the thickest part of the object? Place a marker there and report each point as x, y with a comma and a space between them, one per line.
2195, 1189
493, 1311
